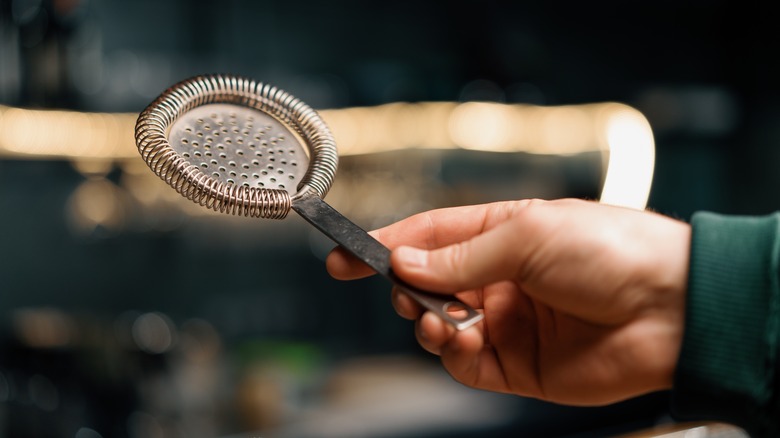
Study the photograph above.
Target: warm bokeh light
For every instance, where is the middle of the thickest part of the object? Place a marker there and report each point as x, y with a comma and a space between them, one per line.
66, 134
631, 158
94, 141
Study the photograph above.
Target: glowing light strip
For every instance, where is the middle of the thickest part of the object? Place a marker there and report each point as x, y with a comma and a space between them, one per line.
616, 129
66, 134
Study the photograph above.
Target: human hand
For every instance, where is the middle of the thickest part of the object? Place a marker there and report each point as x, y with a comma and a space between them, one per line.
583, 302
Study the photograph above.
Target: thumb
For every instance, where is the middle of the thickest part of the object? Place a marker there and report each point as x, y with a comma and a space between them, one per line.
484, 259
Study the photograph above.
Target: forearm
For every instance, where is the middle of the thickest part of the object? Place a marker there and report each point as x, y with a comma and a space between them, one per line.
728, 366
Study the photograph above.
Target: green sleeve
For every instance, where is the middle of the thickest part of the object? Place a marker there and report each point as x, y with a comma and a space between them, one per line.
728, 365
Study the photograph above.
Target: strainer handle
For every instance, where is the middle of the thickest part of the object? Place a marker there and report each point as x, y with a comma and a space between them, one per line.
358, 242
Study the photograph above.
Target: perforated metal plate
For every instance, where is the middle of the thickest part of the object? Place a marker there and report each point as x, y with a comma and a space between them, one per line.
240, 145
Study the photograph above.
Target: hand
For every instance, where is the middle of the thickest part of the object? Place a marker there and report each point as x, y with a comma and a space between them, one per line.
583, 302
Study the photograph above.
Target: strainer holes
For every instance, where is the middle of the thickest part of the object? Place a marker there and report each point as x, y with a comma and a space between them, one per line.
230, 180
184, 140
197, 153
245, 184
256, 162
273, 179
216, 175
239, 152
204, 165
186, 155
264, 172
188, 129
281, 186
199, 134
220, 146
294, 163
195, 144
255, 176
245, 166
222, 155
208, 153
209, 139
200, 120
222, 169
280, 171
214, 162
291, 177
207, 127
259, 154
232, 164
228, 141
240, 140
233, 173
245, 176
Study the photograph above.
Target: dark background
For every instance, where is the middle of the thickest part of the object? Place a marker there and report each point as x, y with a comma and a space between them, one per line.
252, 302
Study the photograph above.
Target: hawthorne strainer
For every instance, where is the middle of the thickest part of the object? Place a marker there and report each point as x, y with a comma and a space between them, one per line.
245, 148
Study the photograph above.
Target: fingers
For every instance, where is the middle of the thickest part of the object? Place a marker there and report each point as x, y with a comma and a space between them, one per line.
404, 305
433, 333
466, 356
438, 337
487, 258
430, 229
342, 265
463, 353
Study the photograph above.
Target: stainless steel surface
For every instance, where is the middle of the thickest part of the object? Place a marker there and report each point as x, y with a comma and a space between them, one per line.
194, 182
240, 145
237, 146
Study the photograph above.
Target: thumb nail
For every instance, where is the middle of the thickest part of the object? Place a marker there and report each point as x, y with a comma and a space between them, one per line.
412, 257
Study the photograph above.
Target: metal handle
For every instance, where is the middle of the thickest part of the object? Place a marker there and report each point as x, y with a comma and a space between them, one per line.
358, 242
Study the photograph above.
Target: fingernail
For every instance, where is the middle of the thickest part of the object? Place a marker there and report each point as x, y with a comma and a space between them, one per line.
412, 256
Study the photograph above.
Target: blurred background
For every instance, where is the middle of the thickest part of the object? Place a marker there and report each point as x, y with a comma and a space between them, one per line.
126, 311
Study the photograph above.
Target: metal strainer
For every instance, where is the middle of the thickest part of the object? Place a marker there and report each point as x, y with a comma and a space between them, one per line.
236, 146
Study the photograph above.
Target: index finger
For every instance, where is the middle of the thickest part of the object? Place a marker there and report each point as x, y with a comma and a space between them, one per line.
428, 230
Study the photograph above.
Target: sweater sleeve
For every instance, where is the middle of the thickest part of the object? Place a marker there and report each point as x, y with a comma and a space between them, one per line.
728, 367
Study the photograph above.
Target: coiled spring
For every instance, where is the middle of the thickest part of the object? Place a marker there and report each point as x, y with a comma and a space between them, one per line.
152, 129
